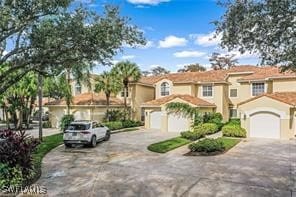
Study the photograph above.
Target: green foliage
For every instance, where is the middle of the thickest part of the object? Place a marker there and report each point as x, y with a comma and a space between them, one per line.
206, 128
10, 176
115, 125
215, 118
168, 145
234, 122
193, 136
46, 124
246, 24
157, 71
114, 115
182, 109
65, 121
213, 145
192, 68
220, 62
207, 145
47, 37
233, 130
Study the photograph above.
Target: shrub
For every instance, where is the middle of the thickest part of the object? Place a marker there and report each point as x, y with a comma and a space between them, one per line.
65, 121
114, 125
46, 124
131, 123
206, 128
114, 115
207, 146
234, 122
232, 130
10, 176
215, 118
17, 150
192, 135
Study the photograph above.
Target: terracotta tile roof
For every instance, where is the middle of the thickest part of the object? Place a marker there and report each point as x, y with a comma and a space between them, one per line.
88, 99
268, 72
193, 100
199, 77
285, 97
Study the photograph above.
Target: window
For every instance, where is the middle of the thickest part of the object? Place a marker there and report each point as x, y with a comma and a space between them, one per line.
233, 93
122, 93
233, 113
207, 91
77, 89
258, 88
164, 89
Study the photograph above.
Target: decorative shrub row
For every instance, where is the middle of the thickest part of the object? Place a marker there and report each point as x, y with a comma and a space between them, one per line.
207, 146
193, 136
115, 125
233, 130
206, 128
65, 121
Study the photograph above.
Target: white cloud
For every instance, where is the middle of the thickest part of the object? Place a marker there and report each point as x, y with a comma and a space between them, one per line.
154, 66
128, 57
147, 2
210, 39
172, 41
185, 54
114, 62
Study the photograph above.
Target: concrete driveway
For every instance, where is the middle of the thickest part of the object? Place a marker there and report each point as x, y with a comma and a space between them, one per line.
124, 167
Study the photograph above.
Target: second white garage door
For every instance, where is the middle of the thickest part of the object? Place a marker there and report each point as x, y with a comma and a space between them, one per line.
155, 120
265, 125
177, 123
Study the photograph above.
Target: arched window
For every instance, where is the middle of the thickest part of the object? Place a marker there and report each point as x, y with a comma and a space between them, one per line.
164, 89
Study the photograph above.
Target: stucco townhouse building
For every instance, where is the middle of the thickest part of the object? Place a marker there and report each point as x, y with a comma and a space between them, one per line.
262, 97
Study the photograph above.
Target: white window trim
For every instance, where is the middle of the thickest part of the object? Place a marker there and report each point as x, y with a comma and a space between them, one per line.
202, 86
265, 87
160, 91
230, 94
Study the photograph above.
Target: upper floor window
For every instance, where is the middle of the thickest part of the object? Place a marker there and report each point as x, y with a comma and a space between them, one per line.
207, 90
258, 88
164, 89
233, 93
77, 89
122, 93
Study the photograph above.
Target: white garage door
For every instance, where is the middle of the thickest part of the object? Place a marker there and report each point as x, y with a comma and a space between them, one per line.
155, 120
265, 125
177, 123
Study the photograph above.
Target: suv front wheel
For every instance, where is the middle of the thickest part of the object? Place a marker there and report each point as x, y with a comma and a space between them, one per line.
107, 136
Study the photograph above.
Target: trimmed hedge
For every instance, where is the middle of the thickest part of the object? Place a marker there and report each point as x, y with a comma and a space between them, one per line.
115, 125
233, 130
193, 136
207, 145
206, 128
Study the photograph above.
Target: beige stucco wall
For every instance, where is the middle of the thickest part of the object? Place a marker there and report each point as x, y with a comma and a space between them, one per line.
266, 104
95, 113
139, 95
183, 89
284, 85
164, 115
219, 99
157, 87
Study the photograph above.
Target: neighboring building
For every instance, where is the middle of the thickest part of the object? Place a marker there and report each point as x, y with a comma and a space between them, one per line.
262, 97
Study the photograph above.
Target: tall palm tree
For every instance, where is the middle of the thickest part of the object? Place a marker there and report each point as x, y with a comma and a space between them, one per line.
109, 83
127, 72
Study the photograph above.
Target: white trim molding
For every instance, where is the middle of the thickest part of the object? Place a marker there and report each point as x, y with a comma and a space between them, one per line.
249, 113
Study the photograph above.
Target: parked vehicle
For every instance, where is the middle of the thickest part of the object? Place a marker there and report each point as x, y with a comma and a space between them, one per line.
85, 132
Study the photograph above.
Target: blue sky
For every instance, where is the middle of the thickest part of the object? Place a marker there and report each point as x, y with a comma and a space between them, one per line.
178, 32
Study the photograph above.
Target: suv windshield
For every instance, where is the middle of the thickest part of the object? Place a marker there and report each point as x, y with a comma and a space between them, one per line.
78, 127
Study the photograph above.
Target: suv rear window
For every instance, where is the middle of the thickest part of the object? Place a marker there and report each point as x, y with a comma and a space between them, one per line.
78, 127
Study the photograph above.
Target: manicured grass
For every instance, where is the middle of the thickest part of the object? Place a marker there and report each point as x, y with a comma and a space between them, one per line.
48, 143
229, 142
168, 145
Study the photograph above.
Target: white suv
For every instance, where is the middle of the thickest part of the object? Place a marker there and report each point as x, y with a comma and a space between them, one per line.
85, 132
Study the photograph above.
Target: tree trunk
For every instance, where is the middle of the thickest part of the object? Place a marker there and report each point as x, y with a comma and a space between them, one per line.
107, 106
32, 101
40, 80
19, 125
68, 102
6, 117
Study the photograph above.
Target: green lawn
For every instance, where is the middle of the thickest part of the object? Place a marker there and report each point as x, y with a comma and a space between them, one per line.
229, 142
48, 143
168, 145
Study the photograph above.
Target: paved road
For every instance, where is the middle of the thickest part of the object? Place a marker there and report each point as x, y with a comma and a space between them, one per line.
124, 167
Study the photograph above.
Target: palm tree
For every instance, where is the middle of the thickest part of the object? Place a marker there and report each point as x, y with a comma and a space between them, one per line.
109, 83
127, 72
